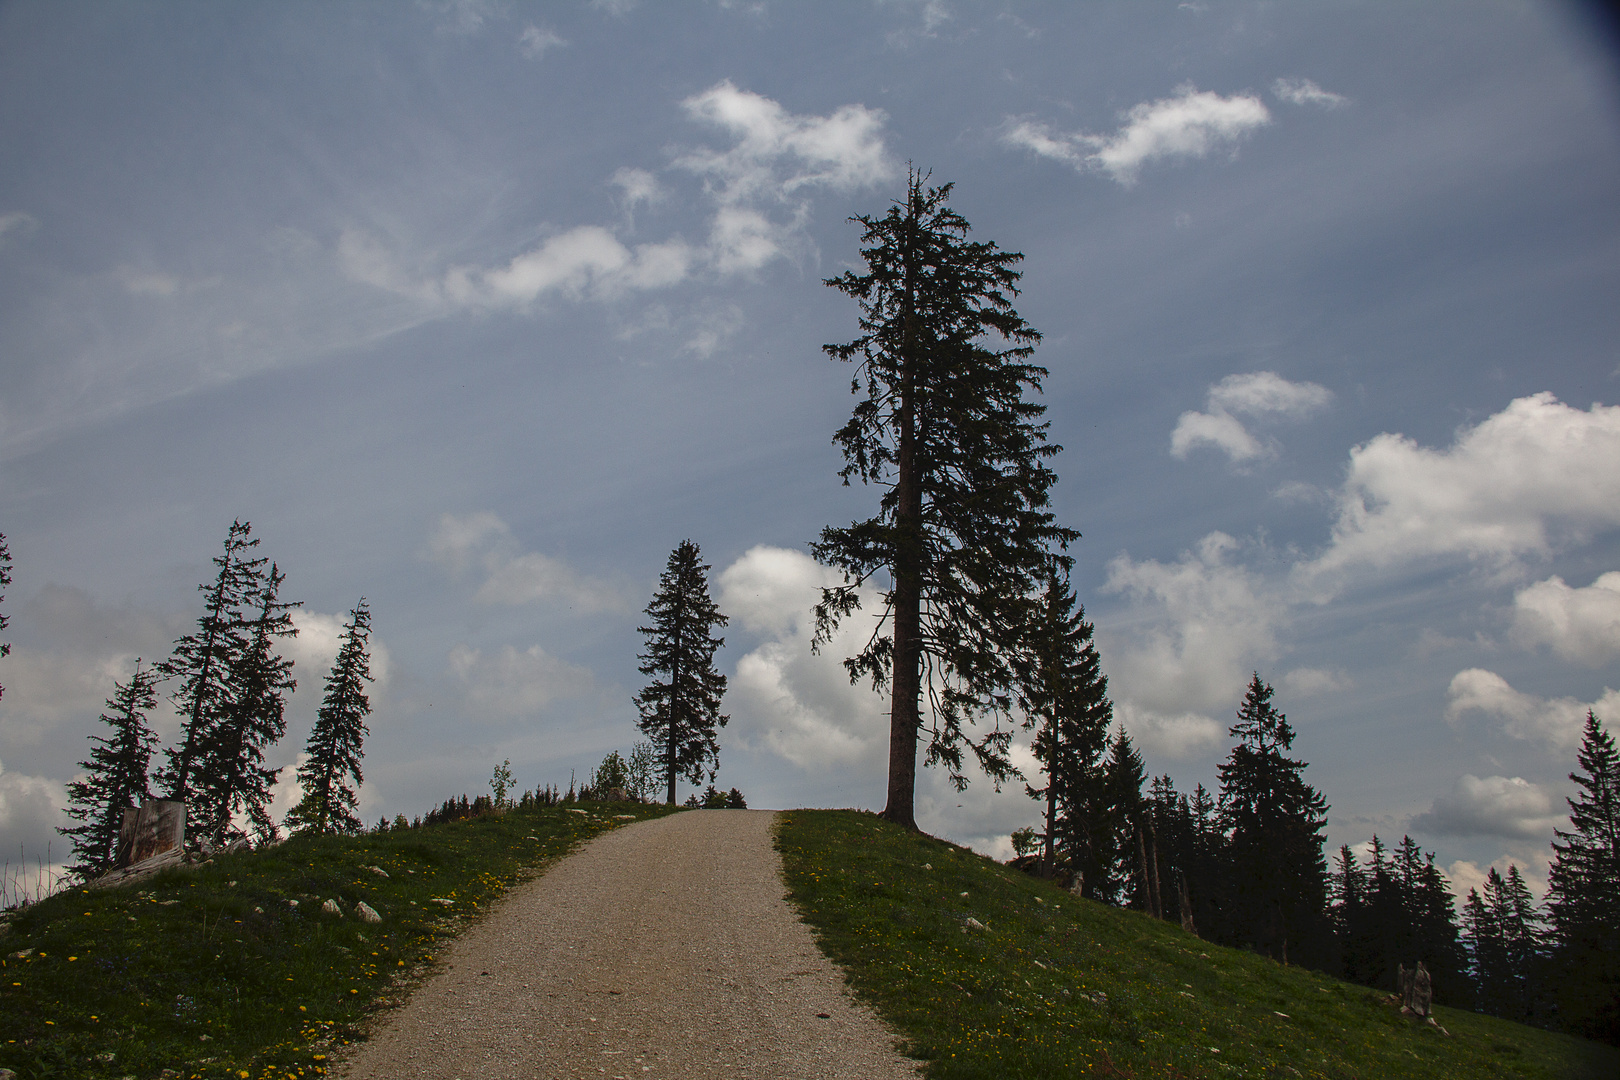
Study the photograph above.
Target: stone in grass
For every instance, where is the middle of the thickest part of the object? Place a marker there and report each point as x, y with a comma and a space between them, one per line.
331, 908
441, 900
376, 870
974, 924
366, 912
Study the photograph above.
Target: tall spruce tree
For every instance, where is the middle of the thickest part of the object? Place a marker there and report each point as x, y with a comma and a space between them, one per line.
1583, 900
115, 775
962, 534
1064, 695
204, 661
5, 583
680, 708
330, 776
230, 775
1274, 821
1108, 858
1504, 937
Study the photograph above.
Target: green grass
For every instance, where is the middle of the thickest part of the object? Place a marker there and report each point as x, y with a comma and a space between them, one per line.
1060, 987
211, 972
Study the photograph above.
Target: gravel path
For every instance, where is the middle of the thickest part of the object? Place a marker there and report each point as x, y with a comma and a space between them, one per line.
663, 949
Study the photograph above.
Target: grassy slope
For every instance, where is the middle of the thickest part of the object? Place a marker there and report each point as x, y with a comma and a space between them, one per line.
1064, 987
211, 972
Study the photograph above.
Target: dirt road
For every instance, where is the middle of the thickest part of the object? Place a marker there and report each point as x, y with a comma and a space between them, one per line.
662, 950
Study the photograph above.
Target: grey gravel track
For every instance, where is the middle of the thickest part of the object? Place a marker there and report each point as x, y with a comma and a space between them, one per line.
664, 949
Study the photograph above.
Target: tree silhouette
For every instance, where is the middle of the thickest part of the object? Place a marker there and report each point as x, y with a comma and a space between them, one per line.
115, 775
1274, 823
330, 776
962, 532
680, 708
1582, 898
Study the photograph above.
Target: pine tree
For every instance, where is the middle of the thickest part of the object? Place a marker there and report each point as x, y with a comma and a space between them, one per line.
204, 661
330, 775
116, 775
1275, 822
962, 534
1107, 854
1583, 900
1065, 697
230, 775
5, 583
680, 708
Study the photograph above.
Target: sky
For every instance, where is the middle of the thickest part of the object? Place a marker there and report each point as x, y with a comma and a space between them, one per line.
477, 309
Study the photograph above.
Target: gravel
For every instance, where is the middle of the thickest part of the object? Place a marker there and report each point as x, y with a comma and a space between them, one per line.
664, 949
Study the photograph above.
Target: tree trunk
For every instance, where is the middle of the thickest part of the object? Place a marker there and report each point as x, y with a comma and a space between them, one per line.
674, 694
1051, 810
1153, 865
906, 686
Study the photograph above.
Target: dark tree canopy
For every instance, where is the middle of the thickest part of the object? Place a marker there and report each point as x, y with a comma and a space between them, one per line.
1064, 695
330, 776
1274, 822
204, 660
231, 776
115, 775
680, 708
1583, 898
5, 583
962, 540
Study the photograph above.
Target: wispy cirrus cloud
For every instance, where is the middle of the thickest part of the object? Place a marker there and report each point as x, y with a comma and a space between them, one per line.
1306, 92
1191, 124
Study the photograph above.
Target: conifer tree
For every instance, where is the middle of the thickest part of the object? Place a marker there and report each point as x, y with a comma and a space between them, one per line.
230, 775
203, 661
330, 775
680, 708
1064, 695
1274, 822
1107, 852
1504, 937
5, 583
1583, 900
116, 775
962, 539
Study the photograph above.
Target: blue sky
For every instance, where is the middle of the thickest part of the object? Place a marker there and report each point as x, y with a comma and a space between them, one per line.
478, 309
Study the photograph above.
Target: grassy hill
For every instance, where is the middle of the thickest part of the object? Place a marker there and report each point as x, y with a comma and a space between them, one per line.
214, 972
232, 969
1059, 987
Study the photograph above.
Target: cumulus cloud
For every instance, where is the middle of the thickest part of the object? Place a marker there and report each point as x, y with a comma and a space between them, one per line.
30, 810
1556, 722
485, 542
1578, 624
315, 649
512, 683
1191, 124
1306, 92
776, 157
1311, 682
1259, 395
639, 186
783, 698
1505, 806
1202, 625
1516, 484
535, 40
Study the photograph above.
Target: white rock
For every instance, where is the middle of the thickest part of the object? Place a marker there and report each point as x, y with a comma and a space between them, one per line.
366, 912
331, 908
440, 900
974, 924
376, 870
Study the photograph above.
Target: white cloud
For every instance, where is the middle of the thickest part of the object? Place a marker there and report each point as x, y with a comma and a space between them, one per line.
1310, 682
1204, 624
617, 8
16, 224
776, 157
1258, 394
1518, 483
147, 282
1578, 624
1189, 125
30, 810
512, 577
511, 683
535, 40
1556, 722
315, 649
783, 698
464, 17
1505, 806
1306, 92
639, 186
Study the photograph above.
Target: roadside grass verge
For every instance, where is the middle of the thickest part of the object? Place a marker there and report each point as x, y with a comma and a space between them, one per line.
215, 972
1060, 987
